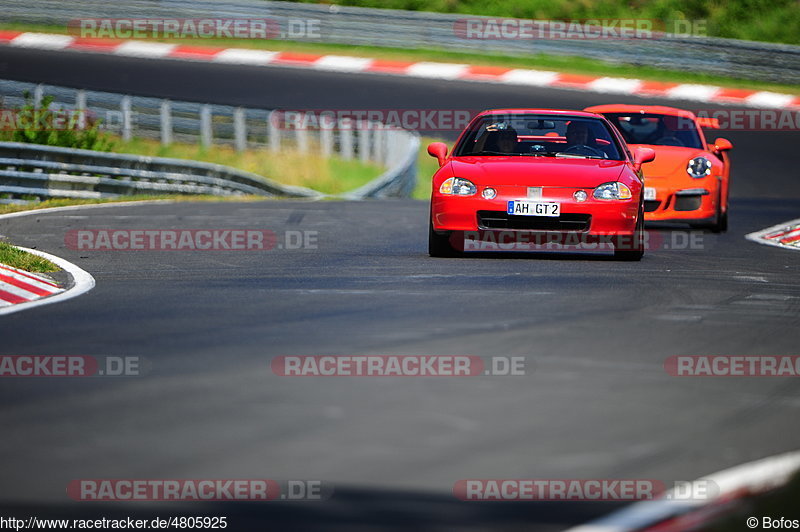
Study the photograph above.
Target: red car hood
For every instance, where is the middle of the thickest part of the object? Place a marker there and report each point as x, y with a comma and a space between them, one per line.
536, 171
670, 160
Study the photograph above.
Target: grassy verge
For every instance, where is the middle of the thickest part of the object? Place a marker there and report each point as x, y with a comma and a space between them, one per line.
426, 167
567, 64
63, 202
757, 20
289, 167
16, 258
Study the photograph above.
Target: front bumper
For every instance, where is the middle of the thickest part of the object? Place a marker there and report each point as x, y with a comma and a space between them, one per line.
683, 203
473, 213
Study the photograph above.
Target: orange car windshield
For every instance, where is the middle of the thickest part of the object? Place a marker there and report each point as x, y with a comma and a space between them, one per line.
656, 129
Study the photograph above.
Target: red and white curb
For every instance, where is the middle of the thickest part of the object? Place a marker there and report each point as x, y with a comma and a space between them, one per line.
32, 291
82, 280
785, 235
669, 514
18, 286
430, 70
20, 290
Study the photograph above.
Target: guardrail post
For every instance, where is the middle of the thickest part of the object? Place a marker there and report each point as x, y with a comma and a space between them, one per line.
206, 134
239, 129
80, 108
127, 118
363, 141
326, 136
166, 122
301, 134
378, 143
38, 95
389, 137
274, 131
346, 139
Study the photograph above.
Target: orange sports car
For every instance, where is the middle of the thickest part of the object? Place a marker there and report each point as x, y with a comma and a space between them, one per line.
689, 179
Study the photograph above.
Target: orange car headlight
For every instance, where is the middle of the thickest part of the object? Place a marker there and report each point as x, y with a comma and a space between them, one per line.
699, 167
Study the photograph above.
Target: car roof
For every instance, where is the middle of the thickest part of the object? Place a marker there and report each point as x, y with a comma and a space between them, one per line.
554, 112
654, 109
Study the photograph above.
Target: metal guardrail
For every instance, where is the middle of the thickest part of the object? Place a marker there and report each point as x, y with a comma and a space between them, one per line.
396, 183
409, 29
53, 172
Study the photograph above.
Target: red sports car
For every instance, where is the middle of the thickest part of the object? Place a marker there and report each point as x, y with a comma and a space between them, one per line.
690, 179
560, 176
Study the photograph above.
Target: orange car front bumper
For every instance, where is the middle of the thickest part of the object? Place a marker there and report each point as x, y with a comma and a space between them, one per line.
686, 202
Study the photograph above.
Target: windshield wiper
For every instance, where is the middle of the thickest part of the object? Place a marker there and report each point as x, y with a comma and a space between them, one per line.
577, 156
515, 154
489, 152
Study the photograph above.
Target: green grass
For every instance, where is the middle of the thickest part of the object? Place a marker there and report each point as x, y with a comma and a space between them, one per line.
756, 20
567, 64
289, 167
16, 258
426, 167
66, 202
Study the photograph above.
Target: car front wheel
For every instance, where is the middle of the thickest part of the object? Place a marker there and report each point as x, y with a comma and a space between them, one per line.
439, 244
633, 251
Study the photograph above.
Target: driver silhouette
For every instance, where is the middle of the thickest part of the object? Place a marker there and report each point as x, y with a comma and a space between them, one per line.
578, 134
581, 140
503, 141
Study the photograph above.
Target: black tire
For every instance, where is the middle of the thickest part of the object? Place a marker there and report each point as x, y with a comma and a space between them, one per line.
439, 244
720, 224
723, 222
637, 252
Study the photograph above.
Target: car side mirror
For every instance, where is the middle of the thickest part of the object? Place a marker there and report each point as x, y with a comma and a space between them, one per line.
438, 150
643, 155
722, 144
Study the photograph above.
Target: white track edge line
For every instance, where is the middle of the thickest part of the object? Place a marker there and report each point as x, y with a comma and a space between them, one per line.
640, 93
83, 280
77, 207
757, 236
757, 472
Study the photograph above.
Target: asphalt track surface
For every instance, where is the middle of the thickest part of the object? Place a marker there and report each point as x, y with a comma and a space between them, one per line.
596, 402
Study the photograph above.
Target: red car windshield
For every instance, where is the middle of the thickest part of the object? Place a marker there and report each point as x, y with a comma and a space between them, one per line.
540, 135
656, 129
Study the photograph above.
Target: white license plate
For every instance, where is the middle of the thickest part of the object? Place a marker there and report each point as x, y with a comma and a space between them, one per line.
534, 208
649, 193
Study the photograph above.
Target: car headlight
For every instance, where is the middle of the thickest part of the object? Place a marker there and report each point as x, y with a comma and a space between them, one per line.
612, 191
699, 167
455, 186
